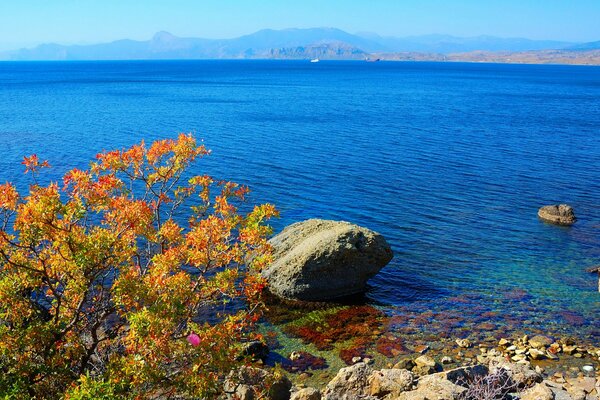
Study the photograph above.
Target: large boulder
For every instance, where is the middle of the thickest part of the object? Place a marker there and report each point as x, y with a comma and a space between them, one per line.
319, 260
560, 214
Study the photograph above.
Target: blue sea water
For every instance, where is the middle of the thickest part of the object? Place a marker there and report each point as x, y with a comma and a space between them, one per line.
449, 161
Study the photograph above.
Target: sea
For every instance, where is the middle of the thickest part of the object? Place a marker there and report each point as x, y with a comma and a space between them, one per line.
448, 161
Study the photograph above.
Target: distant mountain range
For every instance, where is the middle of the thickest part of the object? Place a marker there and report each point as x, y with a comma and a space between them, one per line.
325, 43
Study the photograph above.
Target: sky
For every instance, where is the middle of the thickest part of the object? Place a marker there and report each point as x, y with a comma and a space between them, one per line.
25, 23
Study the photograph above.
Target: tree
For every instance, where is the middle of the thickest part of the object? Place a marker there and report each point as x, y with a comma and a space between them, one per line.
104, 277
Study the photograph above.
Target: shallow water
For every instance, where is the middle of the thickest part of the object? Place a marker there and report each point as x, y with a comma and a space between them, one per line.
450, 162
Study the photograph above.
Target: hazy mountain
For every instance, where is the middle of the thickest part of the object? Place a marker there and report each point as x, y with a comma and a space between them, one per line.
446, 44
287, 43
586, 46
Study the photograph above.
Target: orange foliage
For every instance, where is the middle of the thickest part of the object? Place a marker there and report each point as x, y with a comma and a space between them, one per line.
104, 278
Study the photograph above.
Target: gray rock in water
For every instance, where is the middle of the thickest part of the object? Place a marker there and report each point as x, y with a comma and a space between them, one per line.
561, 214
318, 260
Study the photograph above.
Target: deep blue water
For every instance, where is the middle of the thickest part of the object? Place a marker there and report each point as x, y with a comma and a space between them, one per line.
449, 161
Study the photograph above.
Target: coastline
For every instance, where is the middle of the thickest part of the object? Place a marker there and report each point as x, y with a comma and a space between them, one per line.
382, 60
534, 364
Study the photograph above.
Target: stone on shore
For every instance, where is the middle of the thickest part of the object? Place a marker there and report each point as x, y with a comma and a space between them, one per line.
433, 387
320, 260
560, 214
306, 394
349, 383
538, 392
390, 382
540, 341
521, 374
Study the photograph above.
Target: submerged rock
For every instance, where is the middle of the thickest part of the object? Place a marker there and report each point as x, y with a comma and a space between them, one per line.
560, 214
319, 260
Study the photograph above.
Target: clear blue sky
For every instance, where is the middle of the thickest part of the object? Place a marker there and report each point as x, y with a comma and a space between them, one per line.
29, 22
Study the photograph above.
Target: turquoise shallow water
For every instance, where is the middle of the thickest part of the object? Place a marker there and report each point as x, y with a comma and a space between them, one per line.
449, 161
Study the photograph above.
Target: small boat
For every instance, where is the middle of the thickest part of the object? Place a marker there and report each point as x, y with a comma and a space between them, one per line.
315, 60
373, 60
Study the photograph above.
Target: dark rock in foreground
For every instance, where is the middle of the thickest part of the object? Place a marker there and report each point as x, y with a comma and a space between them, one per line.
318, 260
561, 214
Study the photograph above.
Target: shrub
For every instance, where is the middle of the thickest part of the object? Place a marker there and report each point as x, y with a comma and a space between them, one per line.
104, 277
493, 386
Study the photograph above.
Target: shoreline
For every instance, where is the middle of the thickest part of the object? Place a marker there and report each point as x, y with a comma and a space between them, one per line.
536, 363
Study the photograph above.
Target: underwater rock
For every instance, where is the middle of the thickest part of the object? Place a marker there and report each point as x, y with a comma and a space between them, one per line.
256, 349
301, 361
560, 214
320, 260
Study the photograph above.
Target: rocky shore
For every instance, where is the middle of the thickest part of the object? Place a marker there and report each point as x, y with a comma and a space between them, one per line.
528, 368
414, 354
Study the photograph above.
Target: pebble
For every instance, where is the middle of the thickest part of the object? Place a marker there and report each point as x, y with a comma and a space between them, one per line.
421, 348
587, 368
356, 359
537, 354
464, 343
447, 360
503, 342
425, 361
539, 369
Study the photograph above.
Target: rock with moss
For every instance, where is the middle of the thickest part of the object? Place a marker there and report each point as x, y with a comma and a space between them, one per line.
559, 214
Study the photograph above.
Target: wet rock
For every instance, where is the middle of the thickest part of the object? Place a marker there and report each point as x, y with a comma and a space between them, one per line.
405, 363
246, 382
560, 214
587, 368
280, 389
421, 349
318, 260
425, 361
540, 341
464, 343
538, 392
503, 342
447, 360
306, 394
536, 354
569, 349
390, 382
256, 349
349, 383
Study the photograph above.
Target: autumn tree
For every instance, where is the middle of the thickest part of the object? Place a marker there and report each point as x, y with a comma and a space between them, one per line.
129, 279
